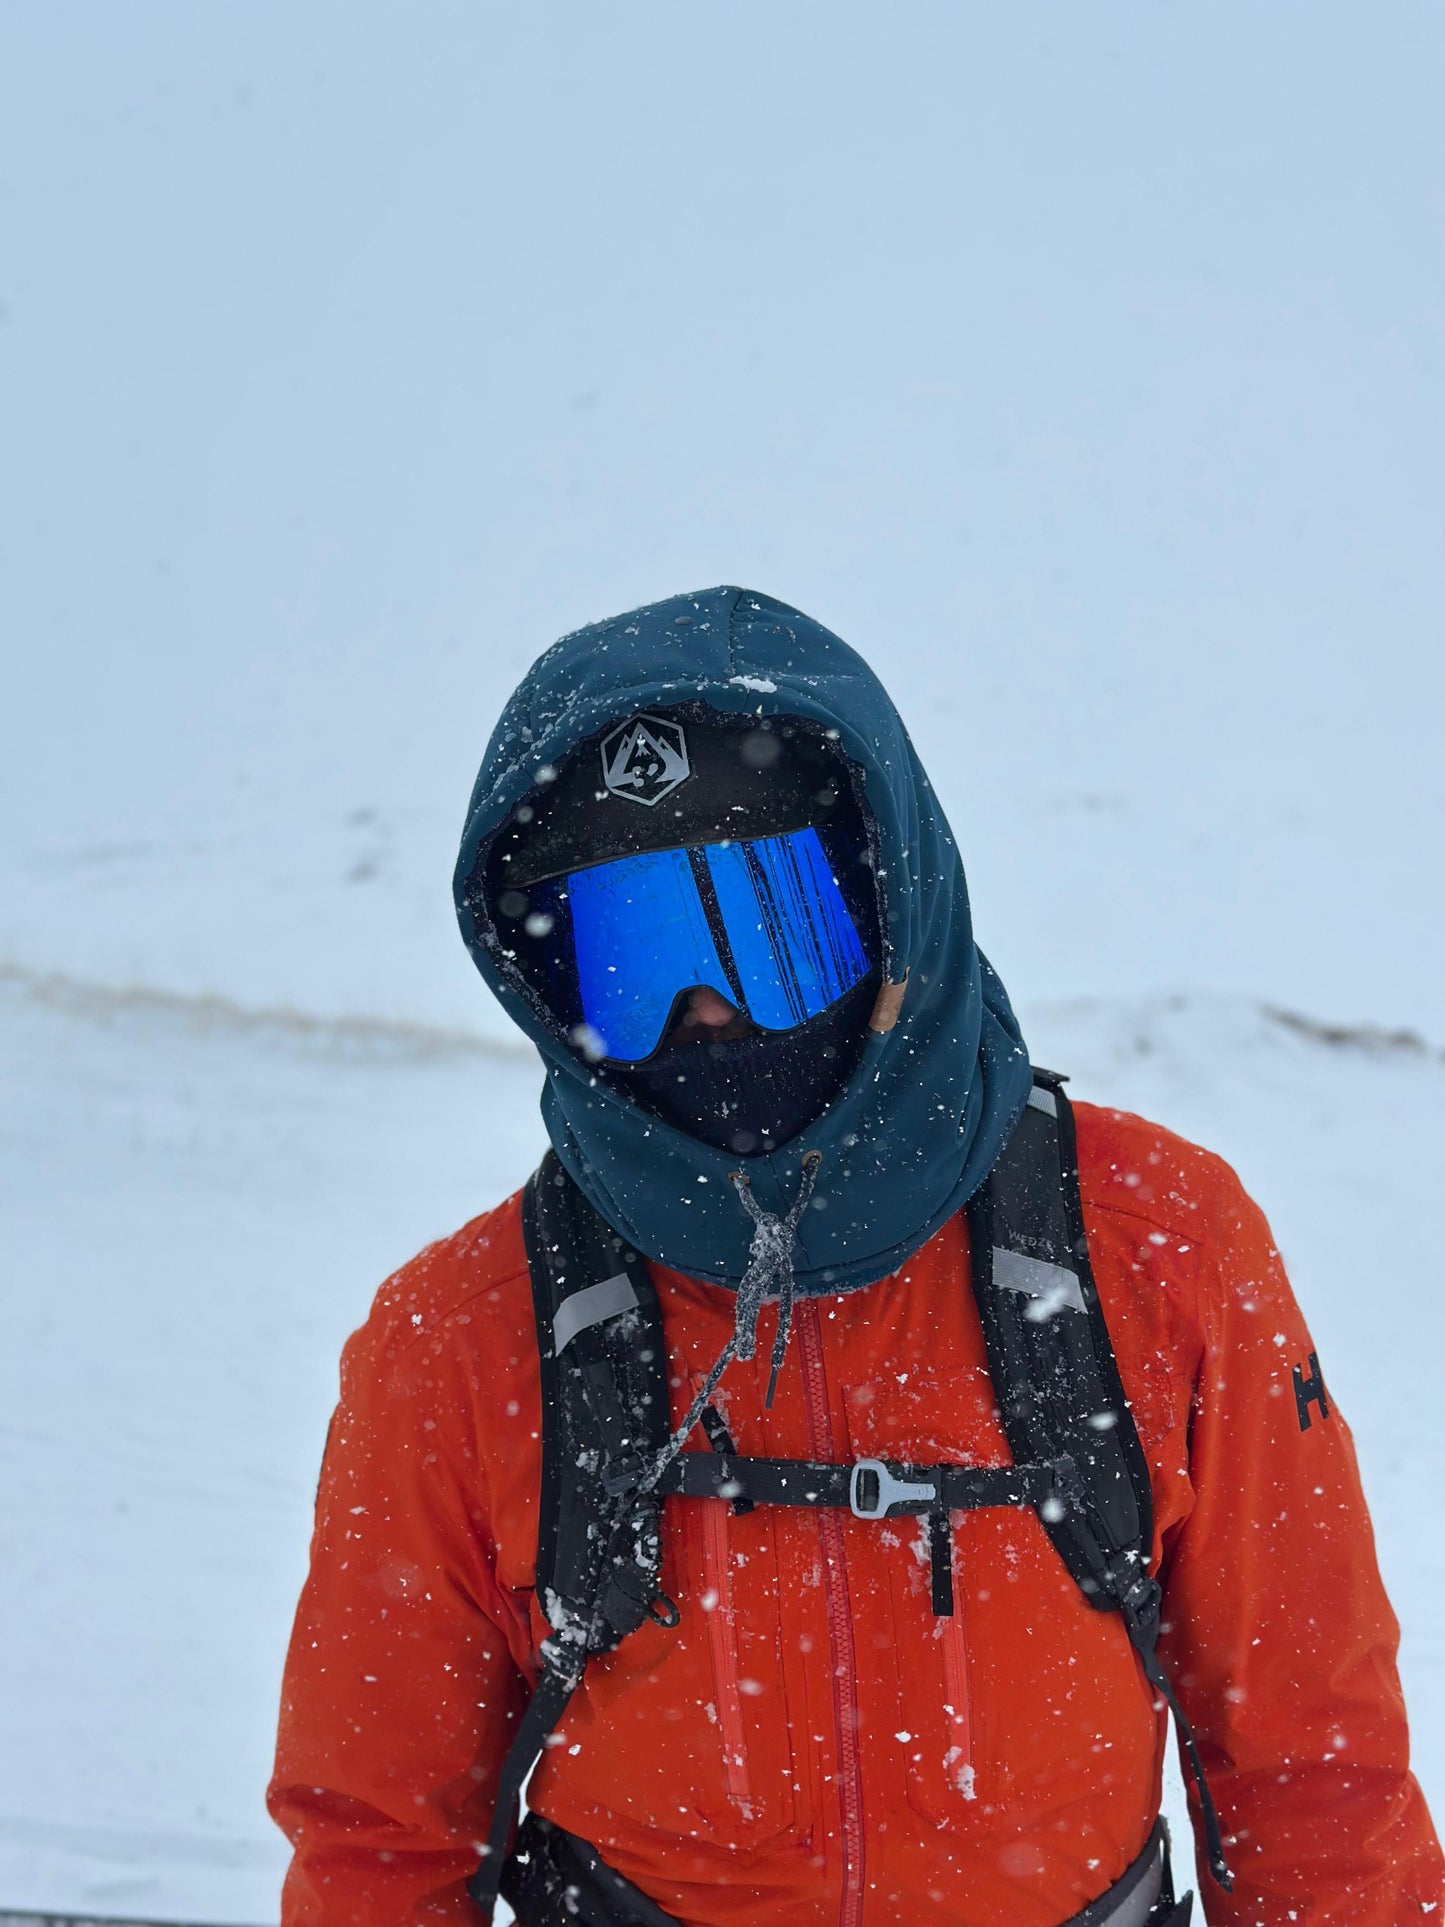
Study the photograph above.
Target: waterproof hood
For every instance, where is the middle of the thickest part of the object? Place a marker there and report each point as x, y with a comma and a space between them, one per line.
932, 1101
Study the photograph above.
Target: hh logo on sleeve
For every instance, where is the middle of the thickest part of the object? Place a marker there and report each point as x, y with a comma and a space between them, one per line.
1310, 1391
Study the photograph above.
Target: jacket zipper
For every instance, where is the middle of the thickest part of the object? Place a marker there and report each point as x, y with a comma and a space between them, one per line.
842, 1650
722, 1634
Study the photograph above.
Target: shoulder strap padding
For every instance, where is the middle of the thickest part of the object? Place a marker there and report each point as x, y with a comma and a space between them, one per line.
604, 1412
1054, 1371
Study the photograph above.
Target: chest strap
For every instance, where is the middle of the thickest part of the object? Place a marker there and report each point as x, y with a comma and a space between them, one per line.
869, 1488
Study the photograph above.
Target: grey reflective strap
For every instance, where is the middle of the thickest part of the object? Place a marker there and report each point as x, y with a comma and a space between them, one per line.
589, 1307
1139, 1890
1137, 1909
1041, 1099
1053, 1286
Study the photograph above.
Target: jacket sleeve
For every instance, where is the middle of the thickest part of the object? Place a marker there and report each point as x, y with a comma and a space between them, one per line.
404, 1677
1279, 1637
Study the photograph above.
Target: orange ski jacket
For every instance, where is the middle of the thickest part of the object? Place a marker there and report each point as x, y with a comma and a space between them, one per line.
811, 1744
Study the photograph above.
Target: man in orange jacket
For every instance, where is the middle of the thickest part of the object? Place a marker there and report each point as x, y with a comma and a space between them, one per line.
705, 872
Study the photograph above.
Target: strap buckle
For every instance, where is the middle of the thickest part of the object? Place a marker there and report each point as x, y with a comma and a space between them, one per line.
873, 1492
1139, 1597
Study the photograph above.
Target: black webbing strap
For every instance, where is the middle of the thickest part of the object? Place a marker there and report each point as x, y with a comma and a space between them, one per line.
1139, 1603
544, 1710
1148, 1880
1057, 1381
940, 1561
870, 1489
558, 1879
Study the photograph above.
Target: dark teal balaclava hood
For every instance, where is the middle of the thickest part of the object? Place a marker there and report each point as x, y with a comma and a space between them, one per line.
932, 1101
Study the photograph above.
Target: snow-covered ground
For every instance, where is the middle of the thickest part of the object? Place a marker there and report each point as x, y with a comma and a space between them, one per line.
197, 1203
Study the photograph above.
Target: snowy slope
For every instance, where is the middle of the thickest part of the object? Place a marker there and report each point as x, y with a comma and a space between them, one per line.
1083, 372
197, 1203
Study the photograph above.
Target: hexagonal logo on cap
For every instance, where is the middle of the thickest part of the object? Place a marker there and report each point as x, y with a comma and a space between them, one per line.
645, 759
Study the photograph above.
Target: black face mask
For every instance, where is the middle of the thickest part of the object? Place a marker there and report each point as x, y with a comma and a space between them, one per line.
750, 1094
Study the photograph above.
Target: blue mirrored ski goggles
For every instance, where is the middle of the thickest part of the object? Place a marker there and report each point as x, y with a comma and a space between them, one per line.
764, 923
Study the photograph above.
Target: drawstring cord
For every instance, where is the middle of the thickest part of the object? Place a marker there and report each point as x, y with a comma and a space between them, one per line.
770, 1265
769, 1273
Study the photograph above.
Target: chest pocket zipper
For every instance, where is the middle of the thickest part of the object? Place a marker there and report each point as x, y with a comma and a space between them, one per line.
723, 1639
957, 1707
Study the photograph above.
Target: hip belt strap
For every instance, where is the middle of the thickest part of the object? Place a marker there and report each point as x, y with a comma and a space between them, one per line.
556, 1879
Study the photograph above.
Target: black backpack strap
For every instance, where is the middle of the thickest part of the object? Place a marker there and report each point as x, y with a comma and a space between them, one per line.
604, 1412
558, 1879
604, 1419
544, 1710
1052, 1362
1057, 1382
